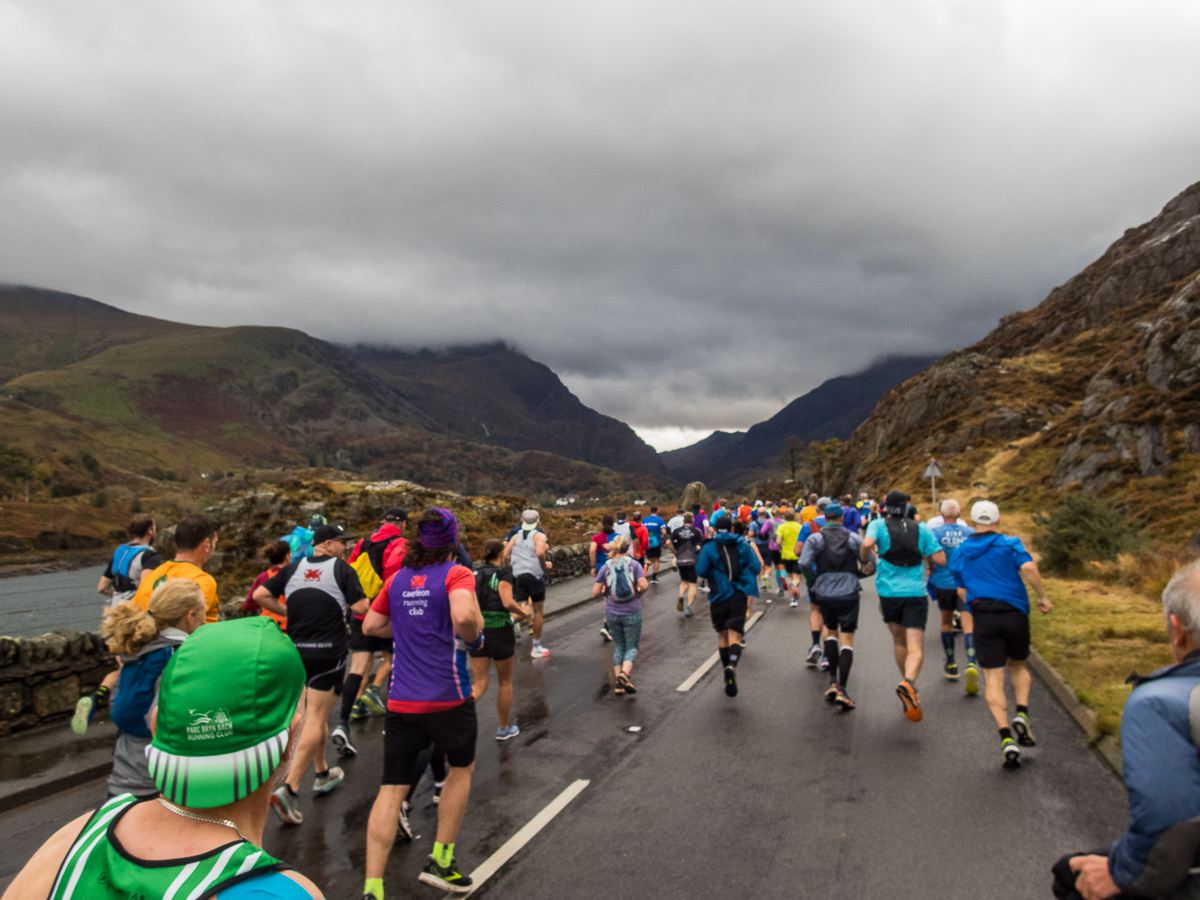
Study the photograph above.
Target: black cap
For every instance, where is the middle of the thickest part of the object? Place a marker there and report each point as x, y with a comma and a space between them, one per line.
896, 503
395, 514
329, 533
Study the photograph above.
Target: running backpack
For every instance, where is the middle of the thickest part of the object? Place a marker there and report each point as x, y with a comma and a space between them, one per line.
837, 554
137, 687
300, 540
904, 542
731, 561
620, 579
122, 561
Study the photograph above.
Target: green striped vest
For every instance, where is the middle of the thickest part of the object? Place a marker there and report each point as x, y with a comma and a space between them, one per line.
93, 869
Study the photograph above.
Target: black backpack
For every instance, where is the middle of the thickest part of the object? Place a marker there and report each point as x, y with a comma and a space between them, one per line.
837, 555
904, 539
731, 560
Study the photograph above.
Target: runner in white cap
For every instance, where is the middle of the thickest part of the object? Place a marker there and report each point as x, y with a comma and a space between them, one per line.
527, 551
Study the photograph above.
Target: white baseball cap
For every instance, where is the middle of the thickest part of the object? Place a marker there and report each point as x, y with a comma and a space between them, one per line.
985, 512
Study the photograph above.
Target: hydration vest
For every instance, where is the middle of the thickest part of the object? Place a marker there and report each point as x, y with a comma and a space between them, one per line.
837, 554
904, 542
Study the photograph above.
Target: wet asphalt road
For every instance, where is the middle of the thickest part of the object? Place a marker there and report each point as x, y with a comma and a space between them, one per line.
773, 793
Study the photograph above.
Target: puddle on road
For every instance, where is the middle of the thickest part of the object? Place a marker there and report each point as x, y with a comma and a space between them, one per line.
24, 765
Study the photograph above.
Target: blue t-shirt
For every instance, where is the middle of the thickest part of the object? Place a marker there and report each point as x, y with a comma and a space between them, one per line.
900, 581
269, 886
949, 536
851, 520
654, 526
989, 565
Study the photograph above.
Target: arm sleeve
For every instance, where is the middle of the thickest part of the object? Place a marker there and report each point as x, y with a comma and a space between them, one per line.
277, 582
702, 562
213, 605
929, 544
380, 603
602, 575
108, 572
460, 578
347, 580
1020, 554
810, 551
150, 561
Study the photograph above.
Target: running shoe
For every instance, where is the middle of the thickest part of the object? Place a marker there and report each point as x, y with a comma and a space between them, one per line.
824, 666
340, 739
814, 656
405, 831
907, 692
654, 580
448, 878
623, 681
83, 714
323, 784
505, 734
516, 631
287, 806
373, 702
687, 613
359, 712
843, 700
956, 622
972, 685
1011, 753
831, 694
538, 652
730, 681
679, 604
437, 792
951, 670
1024, 731
794, 603
604, 634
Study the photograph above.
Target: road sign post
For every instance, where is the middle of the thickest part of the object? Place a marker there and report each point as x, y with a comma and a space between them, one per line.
933, 472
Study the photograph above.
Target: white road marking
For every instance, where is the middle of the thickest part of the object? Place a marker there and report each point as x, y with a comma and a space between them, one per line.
509, 848
711, 661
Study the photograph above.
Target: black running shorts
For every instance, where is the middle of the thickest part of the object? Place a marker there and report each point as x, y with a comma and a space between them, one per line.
729, 615
361, 643
687, 573
653, 552
909, 612
323, 673
791, 566
529, 587
947, 600
498, 644
777, 557
405, 735
1001, 636
839, 615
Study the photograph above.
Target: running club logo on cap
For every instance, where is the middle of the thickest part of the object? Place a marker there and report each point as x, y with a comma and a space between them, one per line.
204, 755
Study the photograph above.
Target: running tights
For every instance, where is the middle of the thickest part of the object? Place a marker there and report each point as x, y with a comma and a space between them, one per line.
626, 633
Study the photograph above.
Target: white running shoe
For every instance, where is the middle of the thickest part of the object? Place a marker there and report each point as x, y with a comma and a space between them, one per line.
323, 784
538, 652
604, 634
287, 806
342, 743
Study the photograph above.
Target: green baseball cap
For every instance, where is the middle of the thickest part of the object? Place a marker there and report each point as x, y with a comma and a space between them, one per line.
225, 703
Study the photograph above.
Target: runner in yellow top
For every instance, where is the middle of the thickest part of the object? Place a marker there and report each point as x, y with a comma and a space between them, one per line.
195, 543
786, 536
810, 512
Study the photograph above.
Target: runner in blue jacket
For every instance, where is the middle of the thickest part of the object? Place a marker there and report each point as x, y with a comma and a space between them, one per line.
730, 565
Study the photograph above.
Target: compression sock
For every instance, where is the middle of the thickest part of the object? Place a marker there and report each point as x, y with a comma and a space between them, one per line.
845, 661
373, 887
816, 638
724, 651
1005, 733
969, 646
831, 654
735, 652
948, 645
101, 696
443, 854
1022, 710
349, 696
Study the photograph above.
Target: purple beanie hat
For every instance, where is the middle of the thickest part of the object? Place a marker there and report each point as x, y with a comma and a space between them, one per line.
436, 535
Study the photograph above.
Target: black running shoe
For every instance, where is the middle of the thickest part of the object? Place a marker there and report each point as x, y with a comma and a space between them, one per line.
730, 681
448, 878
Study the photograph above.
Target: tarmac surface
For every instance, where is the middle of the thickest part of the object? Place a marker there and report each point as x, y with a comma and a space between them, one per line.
31, 605
772, 793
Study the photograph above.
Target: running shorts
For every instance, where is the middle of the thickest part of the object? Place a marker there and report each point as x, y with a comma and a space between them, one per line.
405, 735
687, 574
1001, 636
361, 643
498, 644
839, 615
947, 599
777, 557
654, 553
791, 566
909, 612
529, 587
323, 673
729, 614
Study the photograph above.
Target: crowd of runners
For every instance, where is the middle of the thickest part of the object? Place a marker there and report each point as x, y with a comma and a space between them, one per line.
218, 724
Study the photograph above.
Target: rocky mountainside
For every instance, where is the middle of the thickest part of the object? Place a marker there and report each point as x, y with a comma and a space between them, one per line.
1097, 387
832, 410
142, 394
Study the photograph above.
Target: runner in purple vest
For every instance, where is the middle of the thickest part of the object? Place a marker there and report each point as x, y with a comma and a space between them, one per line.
429, 610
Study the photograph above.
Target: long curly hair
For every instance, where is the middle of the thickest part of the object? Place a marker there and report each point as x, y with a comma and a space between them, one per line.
128, 628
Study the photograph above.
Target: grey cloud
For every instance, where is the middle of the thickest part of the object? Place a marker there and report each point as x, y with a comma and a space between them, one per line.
692, 211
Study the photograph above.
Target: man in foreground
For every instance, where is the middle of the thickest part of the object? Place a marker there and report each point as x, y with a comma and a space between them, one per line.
1162, 773
730, 565
203, 836
987, 568
429, 609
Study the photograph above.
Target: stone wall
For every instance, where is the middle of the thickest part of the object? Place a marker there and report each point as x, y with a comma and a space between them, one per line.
42, 678
569, 562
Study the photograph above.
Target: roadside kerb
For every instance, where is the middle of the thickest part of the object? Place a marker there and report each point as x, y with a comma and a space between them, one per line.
1108, 746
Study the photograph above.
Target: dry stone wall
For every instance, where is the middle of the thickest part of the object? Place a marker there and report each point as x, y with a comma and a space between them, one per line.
42, 678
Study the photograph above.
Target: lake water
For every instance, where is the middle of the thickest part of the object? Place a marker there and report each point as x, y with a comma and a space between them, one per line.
34, 604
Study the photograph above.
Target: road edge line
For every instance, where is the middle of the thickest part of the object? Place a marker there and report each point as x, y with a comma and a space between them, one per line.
691, 680
528, 831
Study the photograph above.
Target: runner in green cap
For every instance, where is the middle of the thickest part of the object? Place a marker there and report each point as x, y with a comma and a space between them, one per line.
224, 732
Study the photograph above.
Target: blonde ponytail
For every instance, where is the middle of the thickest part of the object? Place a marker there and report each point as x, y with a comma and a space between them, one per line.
129, 628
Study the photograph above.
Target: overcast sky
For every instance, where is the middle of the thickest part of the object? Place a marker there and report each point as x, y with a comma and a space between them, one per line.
693, 211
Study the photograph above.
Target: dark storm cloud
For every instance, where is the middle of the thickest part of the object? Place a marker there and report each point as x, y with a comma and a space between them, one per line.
692, 211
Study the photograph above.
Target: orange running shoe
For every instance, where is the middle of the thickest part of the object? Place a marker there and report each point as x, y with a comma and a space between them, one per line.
907, 692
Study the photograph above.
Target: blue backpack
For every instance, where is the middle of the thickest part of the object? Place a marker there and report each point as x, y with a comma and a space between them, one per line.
136, 691
300, 540
620, 580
